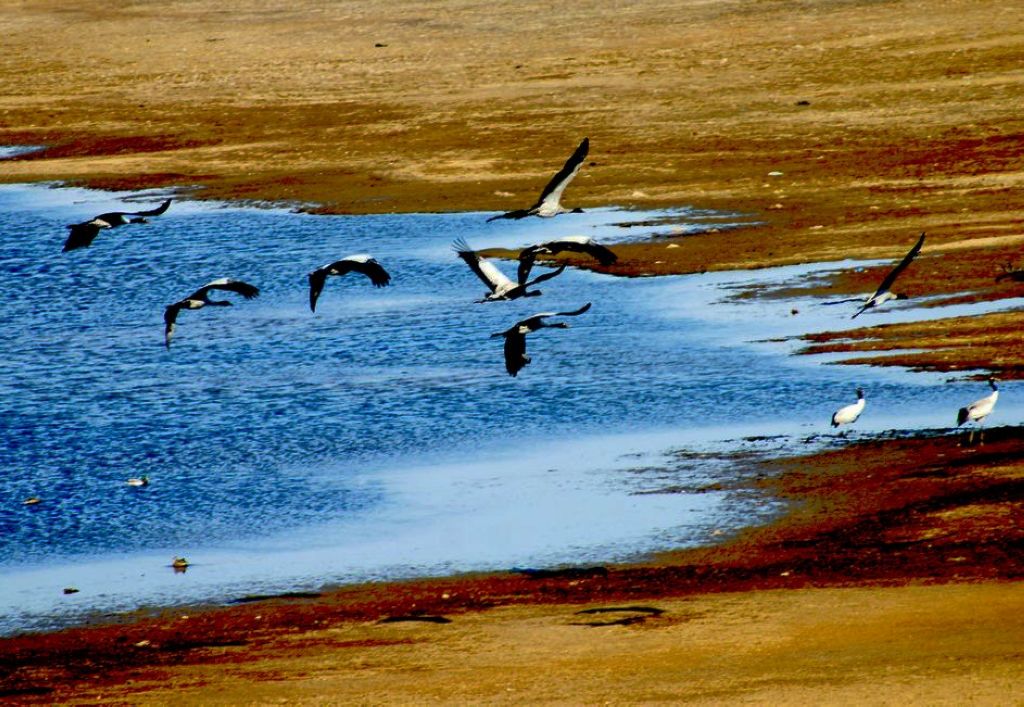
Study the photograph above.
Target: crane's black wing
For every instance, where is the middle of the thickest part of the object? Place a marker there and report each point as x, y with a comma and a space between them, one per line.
527, 257
317, 278
117, 218
595, 250
81, 235
575, 312
566, 174
170, 317
369, 267
515, 352
243, 288
895, 272
517, 214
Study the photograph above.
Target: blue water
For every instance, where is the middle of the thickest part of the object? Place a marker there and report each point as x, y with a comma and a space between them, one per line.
381, 436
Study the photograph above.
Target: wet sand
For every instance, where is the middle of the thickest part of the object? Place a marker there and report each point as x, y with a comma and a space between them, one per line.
838, 130
894, 574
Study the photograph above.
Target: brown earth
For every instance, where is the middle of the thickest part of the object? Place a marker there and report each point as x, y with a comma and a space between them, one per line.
882, 119
958, 344
894, 574
841, 129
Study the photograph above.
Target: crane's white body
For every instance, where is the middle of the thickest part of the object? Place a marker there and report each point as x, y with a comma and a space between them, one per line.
848, 414
979, 410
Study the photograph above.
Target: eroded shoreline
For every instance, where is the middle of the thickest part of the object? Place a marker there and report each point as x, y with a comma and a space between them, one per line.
847, 128
926, 509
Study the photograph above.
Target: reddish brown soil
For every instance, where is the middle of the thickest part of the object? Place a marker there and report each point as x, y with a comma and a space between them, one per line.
841, 129
883, 512
881, 120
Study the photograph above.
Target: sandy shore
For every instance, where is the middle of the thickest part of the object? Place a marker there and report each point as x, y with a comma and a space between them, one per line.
838, 130
894, 575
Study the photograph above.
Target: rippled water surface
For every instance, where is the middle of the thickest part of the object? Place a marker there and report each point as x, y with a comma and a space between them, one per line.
379, 437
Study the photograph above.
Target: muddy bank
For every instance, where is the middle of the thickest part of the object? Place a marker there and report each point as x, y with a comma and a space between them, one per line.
874, 514
844, 129
836, 130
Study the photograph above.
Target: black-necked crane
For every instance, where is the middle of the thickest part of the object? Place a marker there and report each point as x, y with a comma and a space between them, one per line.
201, 298
360, 263
515, 336
848, 414
550, 202
500, 286
884, 293
978, 411
83, 234
572, 244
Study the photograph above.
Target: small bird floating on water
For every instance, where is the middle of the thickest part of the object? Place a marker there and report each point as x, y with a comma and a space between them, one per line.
573, 244
500, 286
978, 411
140, 481
549, 203
848, 414
201, 297
515, 336
82, 234
361, 263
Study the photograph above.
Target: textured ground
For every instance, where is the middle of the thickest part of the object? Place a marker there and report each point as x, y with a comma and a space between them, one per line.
894, 576
839, 129
844, 128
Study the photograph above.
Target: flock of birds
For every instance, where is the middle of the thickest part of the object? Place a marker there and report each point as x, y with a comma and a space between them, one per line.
500, 286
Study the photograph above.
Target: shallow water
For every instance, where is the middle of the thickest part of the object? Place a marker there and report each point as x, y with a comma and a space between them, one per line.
381, 436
